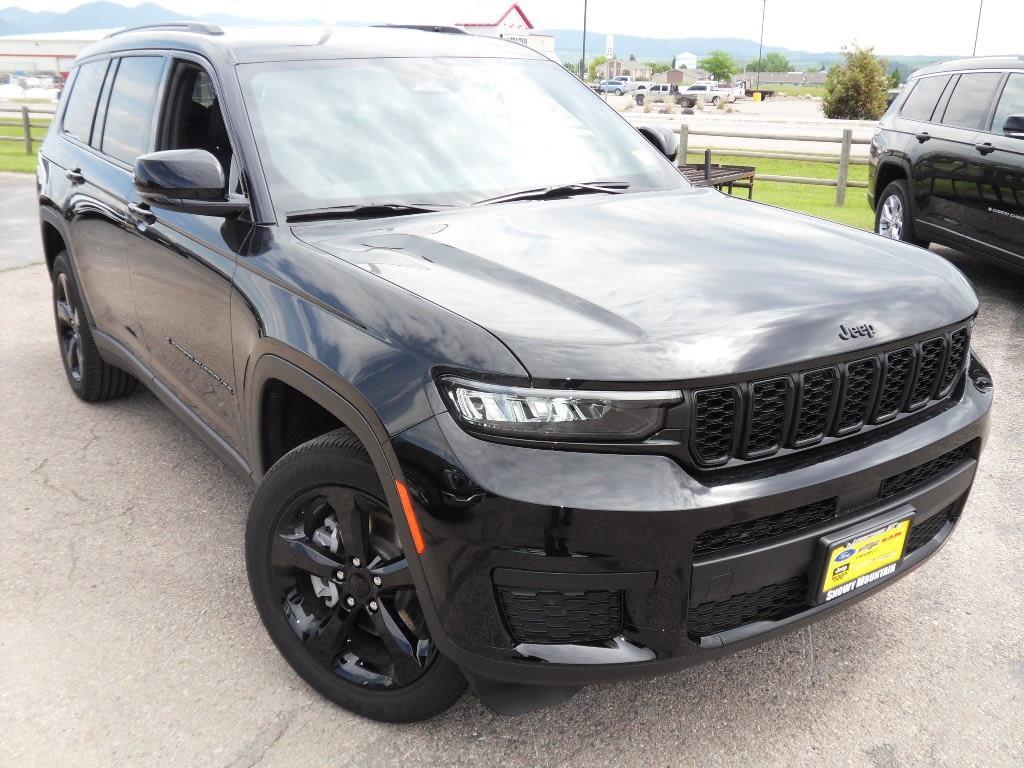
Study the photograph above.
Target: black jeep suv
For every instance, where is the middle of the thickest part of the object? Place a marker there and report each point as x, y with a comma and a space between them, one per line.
494, 435
947, 162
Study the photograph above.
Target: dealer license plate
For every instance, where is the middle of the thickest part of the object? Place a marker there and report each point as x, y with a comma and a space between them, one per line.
863, 559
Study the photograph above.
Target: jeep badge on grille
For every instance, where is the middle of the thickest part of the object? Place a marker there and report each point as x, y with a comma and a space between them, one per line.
852, 332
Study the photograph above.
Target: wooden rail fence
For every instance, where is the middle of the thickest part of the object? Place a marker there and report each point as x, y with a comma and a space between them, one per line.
26, 125
843, 159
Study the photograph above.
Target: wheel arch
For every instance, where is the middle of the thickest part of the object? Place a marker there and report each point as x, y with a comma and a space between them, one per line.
889, 171
55, 236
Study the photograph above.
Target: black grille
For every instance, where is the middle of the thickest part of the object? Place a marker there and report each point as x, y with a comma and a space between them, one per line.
923, 473
768, 405
800, 409
959, 346
714, 424
561, 617
817, 391
861, 376
771, 603
899, 366
929, 529
929, 367
764, 528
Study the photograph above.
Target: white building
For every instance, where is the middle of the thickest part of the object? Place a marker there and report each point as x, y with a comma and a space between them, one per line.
45, 51
512, 25
685, 61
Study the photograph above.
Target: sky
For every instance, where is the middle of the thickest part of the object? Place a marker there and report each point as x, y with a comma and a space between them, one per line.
908, 27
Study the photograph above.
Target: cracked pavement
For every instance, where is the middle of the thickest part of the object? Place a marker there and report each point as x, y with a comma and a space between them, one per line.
128, 638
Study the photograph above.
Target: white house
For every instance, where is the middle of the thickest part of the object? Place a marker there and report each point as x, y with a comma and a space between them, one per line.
685, 61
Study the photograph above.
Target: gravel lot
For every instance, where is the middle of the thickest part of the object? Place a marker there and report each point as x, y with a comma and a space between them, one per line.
128, 637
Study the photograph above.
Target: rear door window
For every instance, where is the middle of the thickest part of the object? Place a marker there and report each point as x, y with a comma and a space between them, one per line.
132, 106
920, 104
85, 92
971, 99
1011, 102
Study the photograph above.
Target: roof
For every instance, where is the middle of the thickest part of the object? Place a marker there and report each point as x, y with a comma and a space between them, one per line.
287, 43
514, 7
978, 62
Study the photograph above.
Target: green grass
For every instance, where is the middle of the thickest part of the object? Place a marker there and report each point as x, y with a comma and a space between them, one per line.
817, 201
12, 153
798, 90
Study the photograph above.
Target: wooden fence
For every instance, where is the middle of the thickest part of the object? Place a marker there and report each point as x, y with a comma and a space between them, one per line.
843, 159
27, 125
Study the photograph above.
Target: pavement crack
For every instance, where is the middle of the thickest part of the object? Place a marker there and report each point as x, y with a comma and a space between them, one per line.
49, 484
253, 753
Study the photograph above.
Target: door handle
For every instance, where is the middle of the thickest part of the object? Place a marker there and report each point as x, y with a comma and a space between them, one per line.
75, 176
985, 148
141, 213
923, 136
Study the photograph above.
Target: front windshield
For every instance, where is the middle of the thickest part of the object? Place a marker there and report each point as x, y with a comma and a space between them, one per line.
436, 131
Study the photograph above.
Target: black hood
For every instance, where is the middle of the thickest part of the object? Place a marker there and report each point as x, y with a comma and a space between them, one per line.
657, 286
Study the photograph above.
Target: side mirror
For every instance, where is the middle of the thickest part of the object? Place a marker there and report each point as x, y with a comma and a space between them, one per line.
1014, 126
665, 139
187, 180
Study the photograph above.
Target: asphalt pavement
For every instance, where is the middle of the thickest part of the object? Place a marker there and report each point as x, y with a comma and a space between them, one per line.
128, 637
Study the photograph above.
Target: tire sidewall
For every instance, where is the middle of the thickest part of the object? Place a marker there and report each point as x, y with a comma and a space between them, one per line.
898, 189
86, 347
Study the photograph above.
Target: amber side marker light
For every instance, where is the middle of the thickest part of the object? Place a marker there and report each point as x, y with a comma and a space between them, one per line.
410, 517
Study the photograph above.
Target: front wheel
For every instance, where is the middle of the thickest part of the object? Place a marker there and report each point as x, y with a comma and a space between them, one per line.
893, 218
333, 586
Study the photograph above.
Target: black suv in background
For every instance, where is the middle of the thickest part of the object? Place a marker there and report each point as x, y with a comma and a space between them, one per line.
495, 435
947, 163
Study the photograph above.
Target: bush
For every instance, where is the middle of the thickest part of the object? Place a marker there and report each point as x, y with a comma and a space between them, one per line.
856, 90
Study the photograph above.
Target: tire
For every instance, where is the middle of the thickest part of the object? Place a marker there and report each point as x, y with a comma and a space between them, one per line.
89, 376
893, 218
714, 101
347, 654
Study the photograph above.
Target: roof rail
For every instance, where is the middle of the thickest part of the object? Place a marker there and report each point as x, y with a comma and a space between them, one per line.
199, 27
425, 28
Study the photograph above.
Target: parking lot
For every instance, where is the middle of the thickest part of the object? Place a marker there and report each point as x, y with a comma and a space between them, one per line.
128, 636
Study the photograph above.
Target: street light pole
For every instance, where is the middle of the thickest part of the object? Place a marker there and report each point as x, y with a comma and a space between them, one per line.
760, 46
583, 60
977, 29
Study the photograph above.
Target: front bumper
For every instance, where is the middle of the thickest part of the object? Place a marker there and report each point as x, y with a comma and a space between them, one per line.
528, 550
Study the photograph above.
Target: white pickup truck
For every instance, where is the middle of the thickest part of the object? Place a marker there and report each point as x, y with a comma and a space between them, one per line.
711, 92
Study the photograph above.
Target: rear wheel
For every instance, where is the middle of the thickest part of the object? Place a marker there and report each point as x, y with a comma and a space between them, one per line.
892, 214
334, 589
90, 377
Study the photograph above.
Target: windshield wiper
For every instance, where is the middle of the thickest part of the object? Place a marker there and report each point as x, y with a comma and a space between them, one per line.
375, 211
560, 190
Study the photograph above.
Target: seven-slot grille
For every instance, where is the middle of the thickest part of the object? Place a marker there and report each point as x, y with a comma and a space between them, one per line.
757, 420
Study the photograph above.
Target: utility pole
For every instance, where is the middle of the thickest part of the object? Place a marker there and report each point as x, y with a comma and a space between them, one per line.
977, 29
583, 60
760, 47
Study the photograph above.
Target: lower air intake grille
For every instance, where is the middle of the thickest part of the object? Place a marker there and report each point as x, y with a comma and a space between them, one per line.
921, 534
923, 473
561, 617
776, 601
764, 528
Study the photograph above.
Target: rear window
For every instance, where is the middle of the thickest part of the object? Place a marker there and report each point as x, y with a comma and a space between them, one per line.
85, 92
920, 104
972, 96
129, 120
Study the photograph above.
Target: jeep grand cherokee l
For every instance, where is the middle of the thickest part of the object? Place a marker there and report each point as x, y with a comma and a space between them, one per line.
494, 435
947, 162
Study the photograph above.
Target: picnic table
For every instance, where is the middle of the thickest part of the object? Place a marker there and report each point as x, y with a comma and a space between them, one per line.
708, 174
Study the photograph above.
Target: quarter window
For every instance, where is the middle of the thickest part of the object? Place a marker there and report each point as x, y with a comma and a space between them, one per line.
972, 96
1011, 102
920, 104
129, 119
81, 108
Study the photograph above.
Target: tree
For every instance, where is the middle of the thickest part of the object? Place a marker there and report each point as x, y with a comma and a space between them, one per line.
771, 62
659, 66
719, 64
596, 62
856, 90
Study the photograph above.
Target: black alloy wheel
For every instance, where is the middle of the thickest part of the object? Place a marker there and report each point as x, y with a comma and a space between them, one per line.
69, 327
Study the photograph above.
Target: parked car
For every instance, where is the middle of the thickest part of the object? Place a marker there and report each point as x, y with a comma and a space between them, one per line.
711, 92
495, 432
618, 87
657, 92
947, 161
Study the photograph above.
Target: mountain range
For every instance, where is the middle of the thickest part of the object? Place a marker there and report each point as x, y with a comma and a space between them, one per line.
568, 42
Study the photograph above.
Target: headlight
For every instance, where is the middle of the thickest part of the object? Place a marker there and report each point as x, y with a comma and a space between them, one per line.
550, 414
